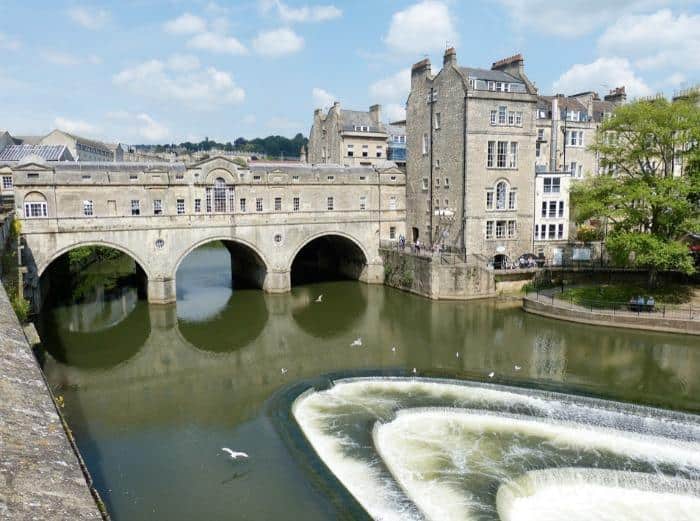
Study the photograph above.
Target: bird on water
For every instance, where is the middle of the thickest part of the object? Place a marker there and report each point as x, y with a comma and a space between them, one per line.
319, 299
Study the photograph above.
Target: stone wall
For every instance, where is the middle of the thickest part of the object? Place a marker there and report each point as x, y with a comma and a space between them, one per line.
429, 277
40, 475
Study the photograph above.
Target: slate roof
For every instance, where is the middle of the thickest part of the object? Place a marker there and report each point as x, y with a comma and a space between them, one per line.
45, 152
352, 118
600, 108
490, 75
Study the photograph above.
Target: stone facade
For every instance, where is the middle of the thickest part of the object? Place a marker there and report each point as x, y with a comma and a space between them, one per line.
471, 149
158, 213
348, 137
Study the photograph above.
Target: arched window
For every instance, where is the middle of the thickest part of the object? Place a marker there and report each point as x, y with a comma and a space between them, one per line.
35, 206
501, 191
219, 195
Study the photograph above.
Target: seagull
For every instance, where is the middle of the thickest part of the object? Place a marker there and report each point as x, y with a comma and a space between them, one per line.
319, 299
234, 454
283, 370
517, 367
415, 370
393, 349
457, 355
357, 342
491, 374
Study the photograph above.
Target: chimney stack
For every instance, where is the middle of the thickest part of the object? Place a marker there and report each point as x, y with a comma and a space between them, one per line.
375, 112
617, 95
450, 57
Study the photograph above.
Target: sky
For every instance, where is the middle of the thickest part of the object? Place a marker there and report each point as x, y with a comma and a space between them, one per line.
147, 71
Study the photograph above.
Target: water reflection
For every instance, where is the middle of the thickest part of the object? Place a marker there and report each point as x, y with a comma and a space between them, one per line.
158, 392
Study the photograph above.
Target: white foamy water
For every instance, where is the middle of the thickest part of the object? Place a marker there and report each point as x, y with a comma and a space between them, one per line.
584, 494
417, 449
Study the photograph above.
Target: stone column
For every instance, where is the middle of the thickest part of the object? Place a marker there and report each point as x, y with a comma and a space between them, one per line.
278, 282
161, 290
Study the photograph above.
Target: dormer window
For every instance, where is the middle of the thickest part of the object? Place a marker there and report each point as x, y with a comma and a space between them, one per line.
361, 128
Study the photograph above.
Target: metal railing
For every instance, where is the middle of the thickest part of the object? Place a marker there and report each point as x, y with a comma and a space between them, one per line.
554, 297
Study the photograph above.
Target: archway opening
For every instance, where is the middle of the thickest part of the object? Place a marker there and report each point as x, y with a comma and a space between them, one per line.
89, 294
208, 276
330, 257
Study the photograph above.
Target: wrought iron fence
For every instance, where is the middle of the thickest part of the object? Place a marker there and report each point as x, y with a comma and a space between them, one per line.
633, 308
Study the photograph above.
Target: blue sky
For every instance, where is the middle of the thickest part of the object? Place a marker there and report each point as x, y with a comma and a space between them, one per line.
146, 71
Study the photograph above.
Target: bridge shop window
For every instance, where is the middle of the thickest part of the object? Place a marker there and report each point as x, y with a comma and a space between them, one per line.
35, 206
278, 204
135, 207
219, 195
7, 182
363, 202
258, 204
295, 204
242, 204
330, 203
197, 206
88, 208
157, 207
180, 206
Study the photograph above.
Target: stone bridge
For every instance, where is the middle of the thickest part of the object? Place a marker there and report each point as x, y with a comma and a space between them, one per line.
273, 218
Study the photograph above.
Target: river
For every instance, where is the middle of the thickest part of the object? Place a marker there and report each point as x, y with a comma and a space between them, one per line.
337, 406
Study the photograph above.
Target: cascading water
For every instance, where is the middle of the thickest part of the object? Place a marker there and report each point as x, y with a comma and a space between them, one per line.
427, 449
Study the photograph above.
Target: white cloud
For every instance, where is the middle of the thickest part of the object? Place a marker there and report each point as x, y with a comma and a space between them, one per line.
217, 42
655, 41
198, 87
322, 98
183, 62
605, 73
393, 88
424, 27
60, 58
573, 18
186, 23
75, 126
278, 42
137, 126
281, 124
674, 80
315, 13
8, 43
89, 17
394, 112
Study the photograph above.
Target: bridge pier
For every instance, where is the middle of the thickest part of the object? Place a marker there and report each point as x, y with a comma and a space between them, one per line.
372, 274
161, 290
278, 282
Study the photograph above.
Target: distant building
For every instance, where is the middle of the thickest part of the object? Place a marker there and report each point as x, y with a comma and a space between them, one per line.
396, 143
471, 150
348, 137
82, 149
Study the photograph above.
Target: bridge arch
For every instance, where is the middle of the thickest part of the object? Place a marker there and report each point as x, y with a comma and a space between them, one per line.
43, 265
328, 255
247, 261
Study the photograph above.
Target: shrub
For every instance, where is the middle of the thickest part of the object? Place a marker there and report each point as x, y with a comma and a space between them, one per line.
21, 307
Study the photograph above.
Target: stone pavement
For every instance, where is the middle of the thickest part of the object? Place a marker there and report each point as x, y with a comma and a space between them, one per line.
40, 475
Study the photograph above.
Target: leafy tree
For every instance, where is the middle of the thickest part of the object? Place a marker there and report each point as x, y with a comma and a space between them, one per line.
647, 208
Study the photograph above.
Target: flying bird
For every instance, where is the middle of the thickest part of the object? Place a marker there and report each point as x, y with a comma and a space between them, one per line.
357, 342
491, 374
319, 299
234, 454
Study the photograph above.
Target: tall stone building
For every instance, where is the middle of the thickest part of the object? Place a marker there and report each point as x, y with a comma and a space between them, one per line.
348, 137
566, 127
471, 150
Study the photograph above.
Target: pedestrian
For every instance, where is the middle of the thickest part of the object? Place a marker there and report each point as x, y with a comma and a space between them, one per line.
417, 245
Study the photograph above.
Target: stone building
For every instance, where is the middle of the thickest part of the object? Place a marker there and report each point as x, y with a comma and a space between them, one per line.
470, 155
348, 137
82, 149
396, 143
566, 127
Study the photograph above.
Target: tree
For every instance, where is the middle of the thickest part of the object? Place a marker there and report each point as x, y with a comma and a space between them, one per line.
647, 208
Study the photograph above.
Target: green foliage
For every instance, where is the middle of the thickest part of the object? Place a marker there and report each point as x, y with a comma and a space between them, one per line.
643, 250
645, 207
588, 233
80, 258
21, 307
606, 295
273, 146
399, 275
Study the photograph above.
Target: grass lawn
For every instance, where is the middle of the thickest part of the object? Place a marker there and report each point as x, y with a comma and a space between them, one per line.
605, 295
